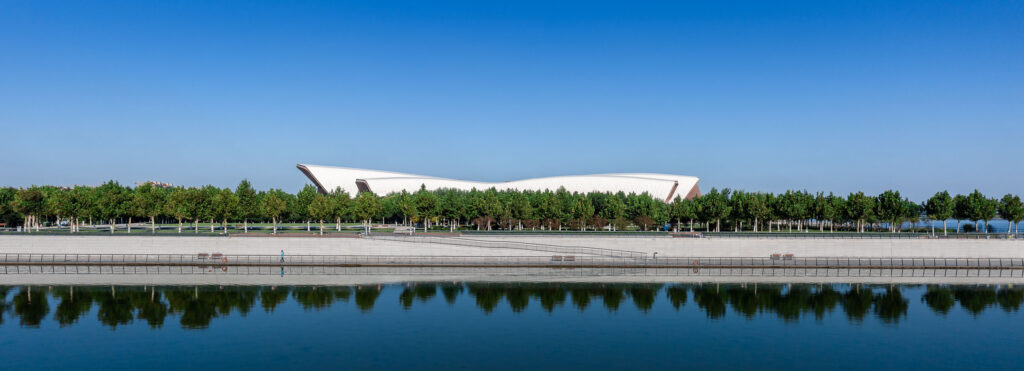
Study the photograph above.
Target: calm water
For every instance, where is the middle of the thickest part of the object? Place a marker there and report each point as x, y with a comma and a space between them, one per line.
512, 325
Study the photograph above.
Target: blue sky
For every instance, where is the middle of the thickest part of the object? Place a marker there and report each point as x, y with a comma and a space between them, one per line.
817, 95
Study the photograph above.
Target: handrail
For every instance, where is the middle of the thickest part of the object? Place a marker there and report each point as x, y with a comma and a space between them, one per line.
495, 261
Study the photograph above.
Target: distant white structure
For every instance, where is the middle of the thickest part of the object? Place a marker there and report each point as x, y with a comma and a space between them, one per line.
663, 186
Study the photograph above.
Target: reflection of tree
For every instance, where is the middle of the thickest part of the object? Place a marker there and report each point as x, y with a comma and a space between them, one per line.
74, 302
4, 305
114, 309
196, 307
612, 296
677, 295
451, 291
192, 305
31, 308
823, 301
320, 297
746, 301
710, 300
550, 296
149, 307
518, 298
643, 296
487, 296
856, 303
580, 297
1010, 298
975, 299
421, 292
939, 299
271, 297
890, 306
366, 297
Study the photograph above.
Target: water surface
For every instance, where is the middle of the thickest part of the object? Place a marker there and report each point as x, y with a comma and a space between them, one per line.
512, 325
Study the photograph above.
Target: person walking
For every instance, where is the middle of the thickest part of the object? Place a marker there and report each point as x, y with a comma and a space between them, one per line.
282, 256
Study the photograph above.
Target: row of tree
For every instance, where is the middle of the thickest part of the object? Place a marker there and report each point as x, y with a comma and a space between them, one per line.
197, 306
488, 209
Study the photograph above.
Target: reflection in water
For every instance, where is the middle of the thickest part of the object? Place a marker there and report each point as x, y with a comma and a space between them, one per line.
195, 307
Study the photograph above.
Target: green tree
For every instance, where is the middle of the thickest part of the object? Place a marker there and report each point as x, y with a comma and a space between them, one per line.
30, 203
1011, 209
582, 210
713, 207
615, 211
341, 206
112, 202
197, 205
225, 206
976, 204
859, 208
426, 205
149, 201
889, 208
177, 205
272, 205
961, 210
987, 210
758, 208
302, 201
61, 203
367, 206
321, 208
248, 204
939, 207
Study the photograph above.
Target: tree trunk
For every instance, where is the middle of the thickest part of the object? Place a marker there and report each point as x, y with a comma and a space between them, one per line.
321, 227
152, 223
129, 225
307, 225
274, 219
944, 228
245, 224
196, 222
111, 226
225, 226
718, 225
211, 225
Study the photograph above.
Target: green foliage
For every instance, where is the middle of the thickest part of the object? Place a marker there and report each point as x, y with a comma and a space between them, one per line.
367, 206
248, 203
939, 206
1011, 208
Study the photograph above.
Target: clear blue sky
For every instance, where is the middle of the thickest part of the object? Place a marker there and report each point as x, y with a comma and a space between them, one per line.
817, 95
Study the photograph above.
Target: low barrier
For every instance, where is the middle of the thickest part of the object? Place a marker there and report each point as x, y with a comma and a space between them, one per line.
556, 261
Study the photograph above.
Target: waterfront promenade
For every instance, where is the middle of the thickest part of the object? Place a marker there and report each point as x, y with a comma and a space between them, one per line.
522, 245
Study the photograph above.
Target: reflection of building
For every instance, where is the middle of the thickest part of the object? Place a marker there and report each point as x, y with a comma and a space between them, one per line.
155, 184
662, 186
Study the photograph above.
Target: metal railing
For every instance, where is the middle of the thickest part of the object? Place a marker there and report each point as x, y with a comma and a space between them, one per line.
569, 250
559, 261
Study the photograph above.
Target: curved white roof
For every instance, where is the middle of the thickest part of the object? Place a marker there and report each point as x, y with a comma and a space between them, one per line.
353, 181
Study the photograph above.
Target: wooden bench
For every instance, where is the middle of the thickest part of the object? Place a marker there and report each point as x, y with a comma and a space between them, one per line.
569, 258
203, 255
556, 258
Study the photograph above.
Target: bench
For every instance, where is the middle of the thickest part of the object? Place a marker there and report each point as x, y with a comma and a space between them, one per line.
569, 258
202, 255
556, 258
